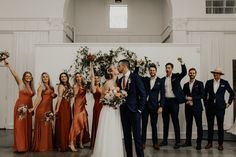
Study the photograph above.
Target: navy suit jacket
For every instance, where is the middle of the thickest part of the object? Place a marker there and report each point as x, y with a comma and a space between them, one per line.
176, 87
153, 102
217, 100
136, 93
197, 95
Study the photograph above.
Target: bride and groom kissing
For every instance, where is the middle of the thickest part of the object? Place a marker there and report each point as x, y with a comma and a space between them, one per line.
109, 134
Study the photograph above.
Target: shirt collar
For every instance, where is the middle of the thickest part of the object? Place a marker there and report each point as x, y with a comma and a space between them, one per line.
127, 74
153, 78
217, 81
192, 81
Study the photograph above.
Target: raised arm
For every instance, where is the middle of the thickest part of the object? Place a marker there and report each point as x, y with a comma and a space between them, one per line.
38, 99
93, 87
61, 90
183, 69
13, 72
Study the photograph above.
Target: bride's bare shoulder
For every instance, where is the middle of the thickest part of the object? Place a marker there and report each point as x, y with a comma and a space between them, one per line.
108, 84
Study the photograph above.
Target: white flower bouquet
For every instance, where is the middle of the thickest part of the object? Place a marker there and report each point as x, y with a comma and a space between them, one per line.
114, 98
22, 112
3, 55
49, 117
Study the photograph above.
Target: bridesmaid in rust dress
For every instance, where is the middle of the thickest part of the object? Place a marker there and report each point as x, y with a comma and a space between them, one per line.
43, 133
22, 117
97, 91
79, 125
63, 112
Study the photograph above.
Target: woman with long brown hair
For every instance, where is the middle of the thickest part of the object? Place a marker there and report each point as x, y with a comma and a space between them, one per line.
43, 133
22, 117
96, 90
63, 112
79, 125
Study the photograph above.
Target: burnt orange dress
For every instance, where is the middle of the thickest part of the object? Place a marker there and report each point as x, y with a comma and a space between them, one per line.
80, 118
23, 127
96, 113
43, 133
63, 123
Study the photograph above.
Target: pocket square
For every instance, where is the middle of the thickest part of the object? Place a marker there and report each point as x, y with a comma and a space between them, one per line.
222, 85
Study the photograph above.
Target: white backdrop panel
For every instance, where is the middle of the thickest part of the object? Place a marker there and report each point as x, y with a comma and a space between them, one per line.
54, 58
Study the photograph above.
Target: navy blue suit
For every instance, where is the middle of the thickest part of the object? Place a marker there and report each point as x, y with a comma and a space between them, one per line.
215, 107
155, 99
195, 110
130, 114
171, 106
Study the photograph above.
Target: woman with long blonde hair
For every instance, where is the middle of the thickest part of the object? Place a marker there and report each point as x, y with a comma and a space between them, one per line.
43, 133
79, 125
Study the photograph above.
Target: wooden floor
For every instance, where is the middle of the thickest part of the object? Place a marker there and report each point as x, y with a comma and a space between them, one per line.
6, 142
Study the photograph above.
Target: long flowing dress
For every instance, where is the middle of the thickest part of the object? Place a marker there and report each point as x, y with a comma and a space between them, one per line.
109, 134
80, 118
23, 127
232, 130
63, 123
96, 113
43, 133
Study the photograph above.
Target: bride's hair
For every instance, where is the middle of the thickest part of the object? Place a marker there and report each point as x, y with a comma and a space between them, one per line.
108, 74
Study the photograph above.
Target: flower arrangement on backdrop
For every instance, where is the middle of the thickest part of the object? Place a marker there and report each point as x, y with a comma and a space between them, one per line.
102, 60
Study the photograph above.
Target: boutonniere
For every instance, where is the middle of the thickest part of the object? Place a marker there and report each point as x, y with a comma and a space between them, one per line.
129, 82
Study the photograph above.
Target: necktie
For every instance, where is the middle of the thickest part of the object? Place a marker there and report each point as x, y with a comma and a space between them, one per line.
123, 82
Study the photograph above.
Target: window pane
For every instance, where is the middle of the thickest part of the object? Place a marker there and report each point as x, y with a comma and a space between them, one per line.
118, 16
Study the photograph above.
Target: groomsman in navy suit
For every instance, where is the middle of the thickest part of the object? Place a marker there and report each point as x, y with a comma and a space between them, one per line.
131, 110
174, 96
194, 92
154, 103
215, 105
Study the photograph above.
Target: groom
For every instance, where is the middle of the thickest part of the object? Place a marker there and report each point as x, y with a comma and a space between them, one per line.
132, 109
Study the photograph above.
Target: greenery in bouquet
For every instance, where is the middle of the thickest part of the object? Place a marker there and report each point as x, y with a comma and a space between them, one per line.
3, 55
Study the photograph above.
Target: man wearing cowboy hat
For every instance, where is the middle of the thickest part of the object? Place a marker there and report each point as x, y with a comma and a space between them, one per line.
215, 105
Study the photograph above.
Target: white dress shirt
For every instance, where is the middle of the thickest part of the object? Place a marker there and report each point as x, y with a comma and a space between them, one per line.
191, 85
152, 81
126, 75
216, 85
168, 88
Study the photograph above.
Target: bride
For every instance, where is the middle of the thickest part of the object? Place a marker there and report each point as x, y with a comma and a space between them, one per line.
109, 134
232, 130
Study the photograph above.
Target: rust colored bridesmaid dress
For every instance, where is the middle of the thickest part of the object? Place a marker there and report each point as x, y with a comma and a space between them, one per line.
43, 133
96, 113
23, 127
80, 118
63, 123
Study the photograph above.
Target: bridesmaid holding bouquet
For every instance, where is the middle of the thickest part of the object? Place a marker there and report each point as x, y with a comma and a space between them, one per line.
22, 117
63, 112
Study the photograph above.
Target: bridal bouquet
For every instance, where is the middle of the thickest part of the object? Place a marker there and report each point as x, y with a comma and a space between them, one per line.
68, 94
49, 117
22, 112
3, 55
114, 98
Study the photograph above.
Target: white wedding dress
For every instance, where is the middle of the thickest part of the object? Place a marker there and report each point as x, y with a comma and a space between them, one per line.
108, 141
232, 130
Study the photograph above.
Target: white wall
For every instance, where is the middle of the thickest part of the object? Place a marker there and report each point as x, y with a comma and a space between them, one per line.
144, 21
31, 8
66, 54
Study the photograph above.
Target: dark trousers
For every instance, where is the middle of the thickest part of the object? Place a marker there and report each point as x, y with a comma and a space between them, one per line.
154, 117
189, 114
211, 113
131, 122
171, 107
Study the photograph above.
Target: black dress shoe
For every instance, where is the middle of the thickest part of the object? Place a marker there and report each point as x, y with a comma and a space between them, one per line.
156, 146
221, 147
164, 143
187, 144
198, 147
208, 146
176, 146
